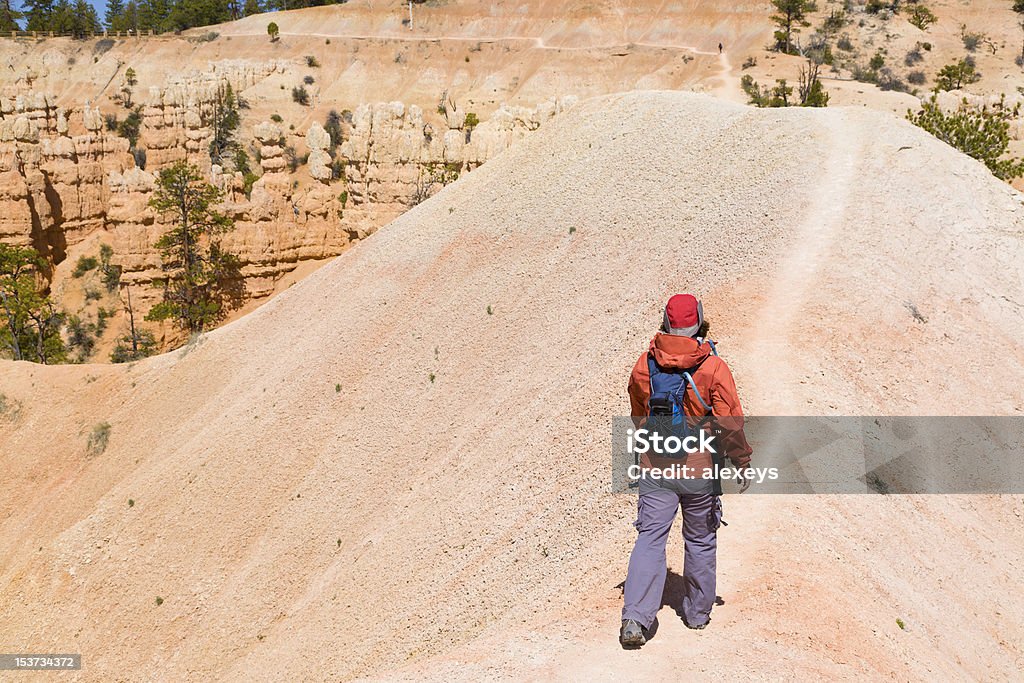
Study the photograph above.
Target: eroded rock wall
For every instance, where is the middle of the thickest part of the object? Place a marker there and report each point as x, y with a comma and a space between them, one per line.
64, 176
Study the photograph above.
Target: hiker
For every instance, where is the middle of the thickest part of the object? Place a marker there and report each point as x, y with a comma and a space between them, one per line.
680, 346
719, 48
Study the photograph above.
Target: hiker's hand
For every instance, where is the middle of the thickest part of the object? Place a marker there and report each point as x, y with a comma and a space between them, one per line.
745, 476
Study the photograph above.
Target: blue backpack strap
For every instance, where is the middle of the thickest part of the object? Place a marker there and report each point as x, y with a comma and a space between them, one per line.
689, 378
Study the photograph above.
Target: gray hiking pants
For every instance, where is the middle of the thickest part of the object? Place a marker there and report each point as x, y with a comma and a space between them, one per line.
645, 580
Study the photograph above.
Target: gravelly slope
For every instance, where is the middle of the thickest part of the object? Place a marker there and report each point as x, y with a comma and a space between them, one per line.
296, 528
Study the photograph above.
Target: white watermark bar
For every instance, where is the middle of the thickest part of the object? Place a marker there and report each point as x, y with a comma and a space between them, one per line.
836, 454
40, 662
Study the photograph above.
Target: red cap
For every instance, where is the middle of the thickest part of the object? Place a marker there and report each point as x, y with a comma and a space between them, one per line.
683, 315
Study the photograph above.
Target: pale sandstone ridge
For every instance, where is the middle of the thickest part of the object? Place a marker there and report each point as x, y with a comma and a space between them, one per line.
280, 509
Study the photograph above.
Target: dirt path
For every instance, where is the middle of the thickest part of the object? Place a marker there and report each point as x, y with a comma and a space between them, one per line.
778, 324
728, 87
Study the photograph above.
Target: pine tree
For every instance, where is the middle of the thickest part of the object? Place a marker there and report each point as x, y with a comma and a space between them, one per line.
29, 323
790, 16
202, 279
37, 14
115, 15
9, 17
224, 121
86, 19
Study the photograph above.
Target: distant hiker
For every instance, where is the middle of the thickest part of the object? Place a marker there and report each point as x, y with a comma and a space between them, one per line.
678, 348
719, 48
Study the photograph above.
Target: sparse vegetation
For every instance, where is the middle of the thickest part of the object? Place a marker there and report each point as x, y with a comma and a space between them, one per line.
835, 21
809, 88
920, 16
777, 96
300, 95
312, 62
956, 76
84, 265
81, 335
207, 37
332, 125
98, 439
983, 134
431, 175
137, 343
273, 31
293, 159
749, 63
127, 88
276, 118
469, 123
130, 127
914, 56
972, 40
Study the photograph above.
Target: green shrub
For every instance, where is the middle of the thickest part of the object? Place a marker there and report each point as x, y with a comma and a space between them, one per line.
300, 95
84, 265
955, 76
312, 62
110, 273
983, 134
921, 17
130, 127
128, 349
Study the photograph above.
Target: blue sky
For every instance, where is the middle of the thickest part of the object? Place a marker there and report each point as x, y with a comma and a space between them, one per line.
100, 5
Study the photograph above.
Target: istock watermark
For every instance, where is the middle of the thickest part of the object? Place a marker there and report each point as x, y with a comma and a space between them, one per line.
859, 454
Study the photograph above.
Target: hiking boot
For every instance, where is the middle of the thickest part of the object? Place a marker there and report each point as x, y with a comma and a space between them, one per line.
632, 634
696, 627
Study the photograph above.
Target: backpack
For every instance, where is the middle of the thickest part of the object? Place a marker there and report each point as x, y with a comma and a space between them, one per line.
666, 412
668, 387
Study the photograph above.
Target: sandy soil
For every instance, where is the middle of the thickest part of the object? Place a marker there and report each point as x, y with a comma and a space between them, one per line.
399, 466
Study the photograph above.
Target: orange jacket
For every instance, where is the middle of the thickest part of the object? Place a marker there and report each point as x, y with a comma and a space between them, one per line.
713, 380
